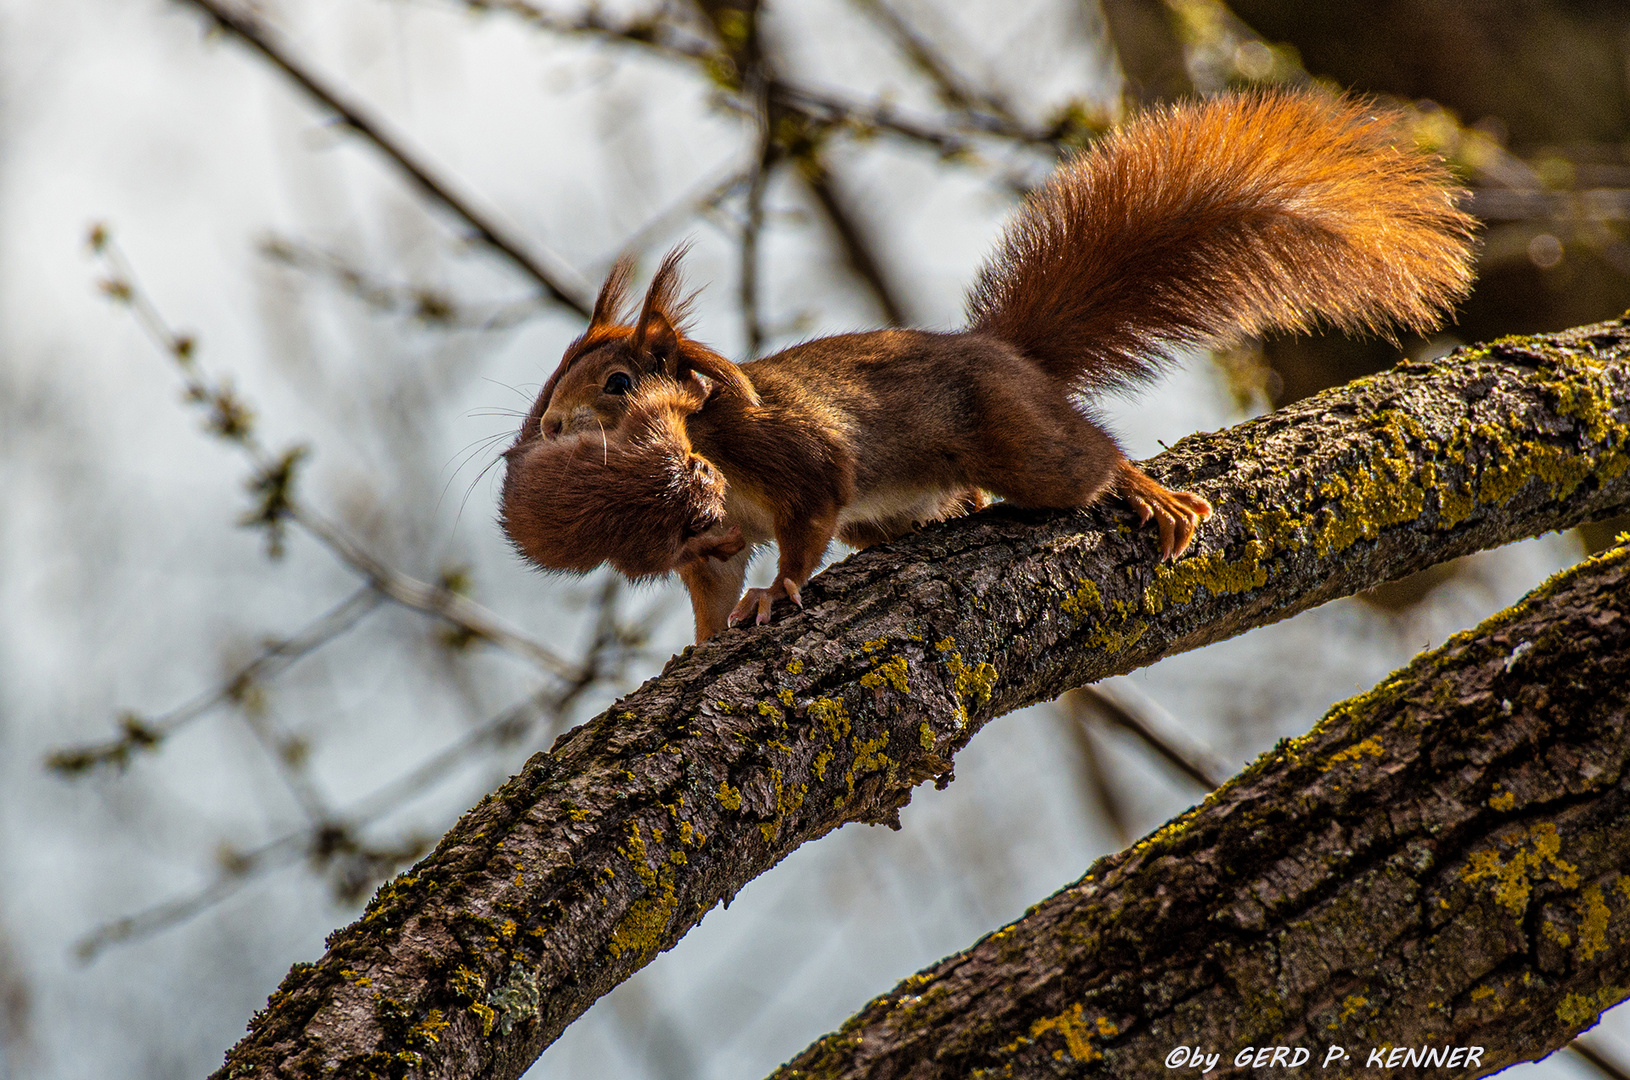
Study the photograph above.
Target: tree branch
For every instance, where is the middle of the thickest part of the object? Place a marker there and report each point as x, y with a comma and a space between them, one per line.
1150, 50
439, 600
858, 245
1438, 862
662, 31
1600, 1062
248, 28
1197, 763
429, 306
139, 733
606, 850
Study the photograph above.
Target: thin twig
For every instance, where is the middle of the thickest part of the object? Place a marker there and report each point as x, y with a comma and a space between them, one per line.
827, 107
289, 763
146, 734
604, 660
1542, 204
752, 229
333, 835
1006, 151
953, 90
151, 920
1099, 791
1196, 763
242, 868
456, 608
979, 109
699, 200
326, 843
252, 31
232, 421
430, 307
857, 245
506, 728
1604, 1065
661, 32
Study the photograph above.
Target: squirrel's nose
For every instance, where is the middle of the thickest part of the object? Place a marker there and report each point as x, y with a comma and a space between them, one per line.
550, 426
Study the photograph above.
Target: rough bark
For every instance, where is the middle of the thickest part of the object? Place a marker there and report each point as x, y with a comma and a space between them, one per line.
605, 850
1439, 862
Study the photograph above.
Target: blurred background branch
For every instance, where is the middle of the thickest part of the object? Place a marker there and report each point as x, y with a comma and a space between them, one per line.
255, 32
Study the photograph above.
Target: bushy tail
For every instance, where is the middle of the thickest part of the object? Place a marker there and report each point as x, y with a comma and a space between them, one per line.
1204, 222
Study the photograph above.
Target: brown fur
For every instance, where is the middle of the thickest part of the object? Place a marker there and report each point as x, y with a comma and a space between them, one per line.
639, 498
655, 345
1204, 222
1194, 224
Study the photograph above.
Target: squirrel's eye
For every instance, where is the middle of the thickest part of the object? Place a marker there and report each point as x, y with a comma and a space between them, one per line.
619, 383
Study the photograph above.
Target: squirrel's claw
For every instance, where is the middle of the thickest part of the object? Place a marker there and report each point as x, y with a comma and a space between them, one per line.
762, 600
1178, 513
759, 600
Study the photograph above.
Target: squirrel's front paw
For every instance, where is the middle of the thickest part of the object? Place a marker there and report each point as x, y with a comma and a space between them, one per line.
713, 544
763, 599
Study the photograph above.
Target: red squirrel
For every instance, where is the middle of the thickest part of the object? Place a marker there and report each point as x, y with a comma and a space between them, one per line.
1194, 224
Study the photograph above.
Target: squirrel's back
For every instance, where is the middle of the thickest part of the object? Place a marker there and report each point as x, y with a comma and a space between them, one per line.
1208, 221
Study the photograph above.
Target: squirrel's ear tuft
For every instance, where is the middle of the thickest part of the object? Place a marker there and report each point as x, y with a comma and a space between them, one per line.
610, 307
664, 297
663, 315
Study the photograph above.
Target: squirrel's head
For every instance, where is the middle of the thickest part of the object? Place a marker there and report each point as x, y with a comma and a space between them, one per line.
589, 390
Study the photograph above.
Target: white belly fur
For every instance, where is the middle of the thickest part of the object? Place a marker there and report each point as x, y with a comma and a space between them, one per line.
893, 504
757, 522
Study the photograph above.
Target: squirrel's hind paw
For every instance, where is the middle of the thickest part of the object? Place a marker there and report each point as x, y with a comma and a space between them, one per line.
1177, 513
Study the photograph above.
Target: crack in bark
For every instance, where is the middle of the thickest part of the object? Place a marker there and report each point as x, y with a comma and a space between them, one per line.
605, 850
